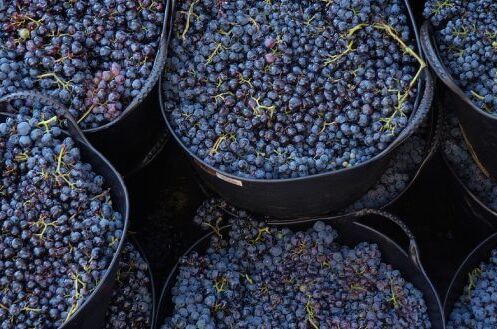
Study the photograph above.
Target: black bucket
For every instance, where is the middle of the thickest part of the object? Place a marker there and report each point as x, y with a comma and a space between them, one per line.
91, 314
479, 127
350, 232
481, 253
138, 247
417, 8
316, 194
433, 138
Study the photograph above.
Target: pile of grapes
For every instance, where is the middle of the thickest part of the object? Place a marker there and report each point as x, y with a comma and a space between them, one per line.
131, 305
477, 306
254, 276
466, 32
59, 231
467, 169
94, 56
290, 88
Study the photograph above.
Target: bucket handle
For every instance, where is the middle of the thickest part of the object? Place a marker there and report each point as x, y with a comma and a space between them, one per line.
71, 125
413, 249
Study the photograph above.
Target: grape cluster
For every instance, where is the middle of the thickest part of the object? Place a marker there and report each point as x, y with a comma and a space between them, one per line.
132, 302
59, 231
439, 11
94, 56
256, 276
475, 309
214, 213
290, 88
469, 172
466, 36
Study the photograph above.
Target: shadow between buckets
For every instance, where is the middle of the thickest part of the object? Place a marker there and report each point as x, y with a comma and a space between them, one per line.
350, 232
91, 314
134, 241
479, 127
481, 253
135, 140
136, 137
316, 194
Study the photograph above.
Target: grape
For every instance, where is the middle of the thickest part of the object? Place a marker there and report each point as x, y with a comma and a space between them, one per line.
131, 303
476, 307
466, 37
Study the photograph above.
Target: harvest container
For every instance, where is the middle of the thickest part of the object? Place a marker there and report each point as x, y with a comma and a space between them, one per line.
350, 232
91, 314
316, 194
432, 136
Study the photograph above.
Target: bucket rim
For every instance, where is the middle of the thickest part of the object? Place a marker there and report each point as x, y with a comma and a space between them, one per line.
134, 241
474, 256
463, 185
433, 143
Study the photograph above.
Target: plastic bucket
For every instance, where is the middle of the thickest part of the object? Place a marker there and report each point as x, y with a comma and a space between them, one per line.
479, 127
350, 232
432, 136
91, 314
468, 202
481, 253
312, 195
417, 8
133, 139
